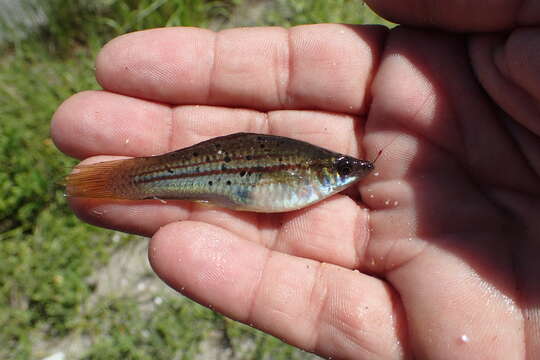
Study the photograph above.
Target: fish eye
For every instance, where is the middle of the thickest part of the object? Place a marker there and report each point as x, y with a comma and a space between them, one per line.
344, 166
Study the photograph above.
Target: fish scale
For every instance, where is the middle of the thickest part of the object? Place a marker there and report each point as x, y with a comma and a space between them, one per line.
242, 171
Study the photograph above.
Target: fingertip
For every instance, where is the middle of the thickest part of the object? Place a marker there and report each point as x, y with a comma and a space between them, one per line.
508, 66
522, 59
160, 250
64, 124
89, 210
208, 264
115, 54
135, 217
167, 64
93, 123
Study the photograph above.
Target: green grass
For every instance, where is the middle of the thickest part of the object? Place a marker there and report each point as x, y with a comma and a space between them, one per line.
47, 254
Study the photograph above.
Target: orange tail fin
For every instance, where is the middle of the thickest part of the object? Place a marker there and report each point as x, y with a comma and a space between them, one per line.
96, 180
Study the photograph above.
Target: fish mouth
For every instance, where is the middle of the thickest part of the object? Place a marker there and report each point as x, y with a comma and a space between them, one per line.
366, 165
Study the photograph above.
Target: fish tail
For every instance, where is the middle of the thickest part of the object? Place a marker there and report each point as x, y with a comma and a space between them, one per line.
99, 180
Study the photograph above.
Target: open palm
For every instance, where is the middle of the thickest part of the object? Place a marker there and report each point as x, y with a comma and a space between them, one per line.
433, 256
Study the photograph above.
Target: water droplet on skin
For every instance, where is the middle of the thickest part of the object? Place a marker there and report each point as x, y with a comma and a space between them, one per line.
371, 196
396, 203
376, 173
127, 141
464, 338
387, 202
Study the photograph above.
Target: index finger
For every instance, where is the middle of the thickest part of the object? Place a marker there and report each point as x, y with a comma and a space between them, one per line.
326, 67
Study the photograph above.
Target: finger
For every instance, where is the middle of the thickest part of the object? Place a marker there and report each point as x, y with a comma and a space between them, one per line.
94, 123
508, 66
325, 67
318, 307
97, 122
460, 15
522, 61
334, 231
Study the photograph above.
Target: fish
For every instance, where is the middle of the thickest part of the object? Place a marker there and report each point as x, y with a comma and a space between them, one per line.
241, 171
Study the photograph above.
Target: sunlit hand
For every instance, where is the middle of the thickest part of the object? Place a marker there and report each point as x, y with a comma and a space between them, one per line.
435, 256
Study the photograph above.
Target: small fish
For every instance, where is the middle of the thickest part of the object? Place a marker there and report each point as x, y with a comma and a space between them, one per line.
243, 171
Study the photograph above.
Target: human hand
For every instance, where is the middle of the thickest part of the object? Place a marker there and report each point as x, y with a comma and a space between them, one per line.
436, 262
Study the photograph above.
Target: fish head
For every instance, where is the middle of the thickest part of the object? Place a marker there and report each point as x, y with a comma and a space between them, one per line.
338, 172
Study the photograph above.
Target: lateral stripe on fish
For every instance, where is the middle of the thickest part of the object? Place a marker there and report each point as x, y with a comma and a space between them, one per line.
248, 170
